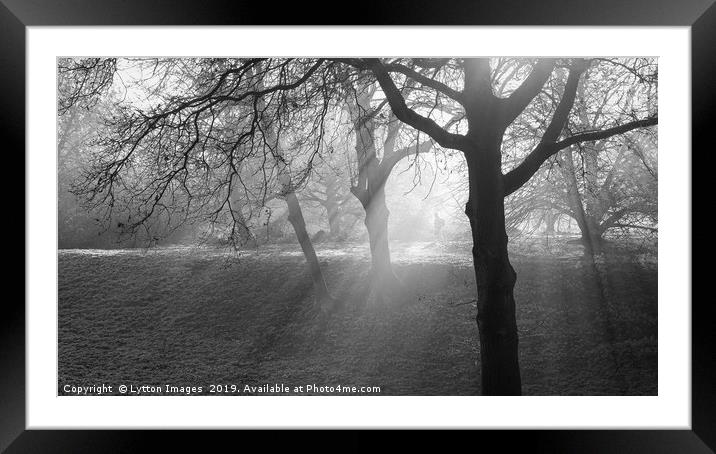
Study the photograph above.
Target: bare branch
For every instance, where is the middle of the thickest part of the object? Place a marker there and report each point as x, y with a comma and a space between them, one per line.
524, 171
426, 81
514, 179
589, 136
412, 118
561, 113
389, 162
525, 93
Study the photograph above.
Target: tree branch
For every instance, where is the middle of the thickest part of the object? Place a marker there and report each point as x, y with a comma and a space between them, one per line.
634, 226
518, 176
524, 171
390, 161
589, 136
526, 92
561, 113
424, 80
412, 118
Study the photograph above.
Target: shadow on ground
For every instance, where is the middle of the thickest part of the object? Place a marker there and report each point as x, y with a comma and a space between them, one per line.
196, 317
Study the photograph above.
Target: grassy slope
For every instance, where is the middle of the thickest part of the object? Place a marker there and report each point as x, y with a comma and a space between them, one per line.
189, 317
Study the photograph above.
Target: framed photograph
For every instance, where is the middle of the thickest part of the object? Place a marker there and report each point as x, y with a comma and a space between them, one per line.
443, 218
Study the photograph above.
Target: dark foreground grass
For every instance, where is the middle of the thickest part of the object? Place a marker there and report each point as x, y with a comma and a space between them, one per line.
191, 317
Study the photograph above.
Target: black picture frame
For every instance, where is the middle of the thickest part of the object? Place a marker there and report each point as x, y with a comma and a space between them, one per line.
16, 15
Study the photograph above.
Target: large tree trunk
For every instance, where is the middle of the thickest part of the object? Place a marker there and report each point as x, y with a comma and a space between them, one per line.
592, 237
376, 222
496, 317
383, 279
370, 191
295, 217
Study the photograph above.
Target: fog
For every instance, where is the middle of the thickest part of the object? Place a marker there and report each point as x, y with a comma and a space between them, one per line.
353, 218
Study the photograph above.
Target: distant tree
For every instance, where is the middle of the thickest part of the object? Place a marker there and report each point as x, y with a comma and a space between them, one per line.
329, 190
187, 151
612, 186
376, 157
607, 185
272, 126
77, 129
75, 226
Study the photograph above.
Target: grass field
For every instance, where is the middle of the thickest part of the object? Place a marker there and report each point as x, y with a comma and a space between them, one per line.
196, 317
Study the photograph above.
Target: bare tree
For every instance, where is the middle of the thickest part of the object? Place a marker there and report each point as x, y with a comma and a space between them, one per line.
607, 185
329, 190
612, 186
272, 127
210, 139
488, 116
375, 160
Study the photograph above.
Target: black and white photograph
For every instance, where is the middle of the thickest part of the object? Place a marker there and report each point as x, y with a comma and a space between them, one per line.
242, 216
357, 226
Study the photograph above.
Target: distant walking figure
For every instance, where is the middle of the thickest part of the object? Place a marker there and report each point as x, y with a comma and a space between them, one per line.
439, 223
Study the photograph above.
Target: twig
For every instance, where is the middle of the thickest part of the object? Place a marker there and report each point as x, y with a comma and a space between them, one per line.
463, 303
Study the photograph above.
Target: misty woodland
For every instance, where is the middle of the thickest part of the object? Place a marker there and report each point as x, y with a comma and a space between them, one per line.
352, 226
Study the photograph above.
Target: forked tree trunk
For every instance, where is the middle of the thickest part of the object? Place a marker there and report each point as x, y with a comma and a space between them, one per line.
592, 237
496, 317
295, 217
370, 192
